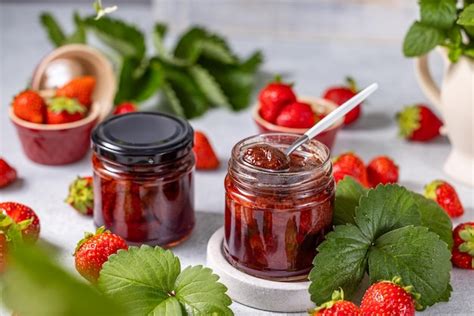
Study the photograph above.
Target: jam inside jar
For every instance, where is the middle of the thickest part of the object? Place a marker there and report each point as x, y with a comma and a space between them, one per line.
275, 219
143, 178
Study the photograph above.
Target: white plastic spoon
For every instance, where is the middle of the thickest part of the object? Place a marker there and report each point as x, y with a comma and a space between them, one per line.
332, 117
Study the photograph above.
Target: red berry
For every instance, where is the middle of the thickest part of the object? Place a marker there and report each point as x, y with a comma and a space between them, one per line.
7, 173
387, 298
29, 106
273, 98
80, 88
337, 306
125, 107
382, 170
349, 164
206, 158
64, 110
81, 195
341, 94
296, 115
418, 123
94, 250
463, 248
19, 213
445, 195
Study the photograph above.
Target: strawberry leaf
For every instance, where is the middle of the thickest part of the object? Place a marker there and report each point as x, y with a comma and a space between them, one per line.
341, 263
421, 39
438, 13
348, 194
55, 33
418, 256
209, 86
149, 281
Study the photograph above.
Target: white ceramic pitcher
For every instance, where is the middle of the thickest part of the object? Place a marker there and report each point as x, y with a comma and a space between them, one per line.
455, 100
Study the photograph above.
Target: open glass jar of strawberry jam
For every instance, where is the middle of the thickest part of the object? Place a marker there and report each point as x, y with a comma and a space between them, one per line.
143, 177
276, 217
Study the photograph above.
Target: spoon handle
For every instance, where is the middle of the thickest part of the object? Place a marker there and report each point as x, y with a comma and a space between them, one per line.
332, 117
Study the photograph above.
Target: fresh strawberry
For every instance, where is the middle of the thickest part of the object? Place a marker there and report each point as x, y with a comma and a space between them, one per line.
349, 164
29, 106
20, 213
125, 107
382, 170
337, 306
80, 88
445, 195
463, 248
389, 298
94, 250
273, 98
340, 94
296, 115
10, 235
81, 195
418, 123
7, 173
64, 110
206, 158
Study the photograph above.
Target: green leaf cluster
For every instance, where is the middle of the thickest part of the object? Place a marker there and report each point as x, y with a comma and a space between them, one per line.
149, 281
442, 23
384, 232
199, 73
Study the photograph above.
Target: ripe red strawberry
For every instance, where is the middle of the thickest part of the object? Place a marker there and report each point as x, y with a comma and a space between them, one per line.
7, 173
418, 123
64, 110
20, 213
445, 195
341, 94
349, 164
273, 98
81, 195
463, 248
80, 88
337, 306
94, 250
125, 107
206, 158
296, 115
29, 106
389, 298
382, 170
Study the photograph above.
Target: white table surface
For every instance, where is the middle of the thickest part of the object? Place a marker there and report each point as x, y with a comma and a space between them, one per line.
313, 62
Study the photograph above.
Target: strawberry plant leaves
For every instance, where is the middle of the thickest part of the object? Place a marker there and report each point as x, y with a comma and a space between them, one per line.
149, 82
55, 32
159, 33
418, 256
438, 13
435, 218
209, 86
385, 208
348, 194
149, 281
341, 262
173, 100
34, 284
126, 80
466, 17
421, 39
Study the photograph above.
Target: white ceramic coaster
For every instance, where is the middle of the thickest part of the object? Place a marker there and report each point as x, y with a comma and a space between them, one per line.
254, 292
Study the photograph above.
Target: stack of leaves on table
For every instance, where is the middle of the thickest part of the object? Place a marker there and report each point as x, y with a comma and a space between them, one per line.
199, 73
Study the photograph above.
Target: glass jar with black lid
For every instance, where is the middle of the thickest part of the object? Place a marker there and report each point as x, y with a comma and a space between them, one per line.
143, 177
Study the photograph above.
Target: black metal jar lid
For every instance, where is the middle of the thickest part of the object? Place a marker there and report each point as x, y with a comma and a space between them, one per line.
143, 138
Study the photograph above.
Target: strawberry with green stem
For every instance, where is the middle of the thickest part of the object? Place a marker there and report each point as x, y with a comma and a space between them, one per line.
340, 94
81, 195
418, 123
337, 306
20, 213
463, 249
64, 110
446, 196
80, 89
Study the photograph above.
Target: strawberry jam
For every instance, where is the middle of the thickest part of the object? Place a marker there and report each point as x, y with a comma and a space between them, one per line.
276, 217
143, 178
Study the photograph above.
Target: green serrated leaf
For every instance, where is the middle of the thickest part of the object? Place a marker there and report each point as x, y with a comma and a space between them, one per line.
348, 194
173, 100
163, 54
127, 81
438, 13
340, 263
79, 35
466, 17
418, 256
150, 82
55, 33
421, 39
125, 39
385, 208
209, 86
217, 51
149, 281
35, 285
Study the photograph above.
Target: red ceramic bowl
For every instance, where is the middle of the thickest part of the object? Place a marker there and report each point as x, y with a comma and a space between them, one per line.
56, 144
319, 105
